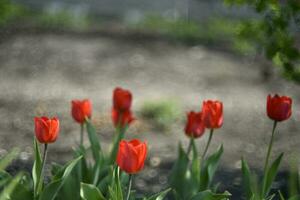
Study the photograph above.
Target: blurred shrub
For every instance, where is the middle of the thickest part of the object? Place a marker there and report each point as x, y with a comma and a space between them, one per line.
215, 31
162, 113
275, 32
62, 19
9, 11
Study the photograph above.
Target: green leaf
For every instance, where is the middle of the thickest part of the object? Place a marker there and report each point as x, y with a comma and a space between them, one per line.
296, 197
115, 191
90, 192
51, 190
179, 175
23, 190
95, 145
208, 195
160, 195
7, 159
209, 169
8, 190
270, 175
37, 168
246, 179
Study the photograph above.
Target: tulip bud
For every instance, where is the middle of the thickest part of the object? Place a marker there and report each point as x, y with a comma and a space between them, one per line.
122, 99
46, 130
131, 155
279, 108
81, 110
212, 114
194, 126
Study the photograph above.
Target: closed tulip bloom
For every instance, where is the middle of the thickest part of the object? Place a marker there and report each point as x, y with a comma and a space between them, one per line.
212, 114
279, 108
131, 155
194, 126
46, 129
122, 99
81, 109
121, 118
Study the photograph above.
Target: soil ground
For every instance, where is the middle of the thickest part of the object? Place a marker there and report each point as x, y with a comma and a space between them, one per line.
41, 73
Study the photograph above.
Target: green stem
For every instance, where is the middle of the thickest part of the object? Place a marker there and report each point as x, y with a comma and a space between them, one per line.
40, 184
119, 136
81, 133
129, 187
270, 147
208, 143
190, 146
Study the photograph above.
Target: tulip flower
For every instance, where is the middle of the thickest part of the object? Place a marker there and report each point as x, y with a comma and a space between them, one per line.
121, 119
81, 109
279, 108
194, 126
212, 117
212, 114
46, 130
122, 99
131, 158
131, 155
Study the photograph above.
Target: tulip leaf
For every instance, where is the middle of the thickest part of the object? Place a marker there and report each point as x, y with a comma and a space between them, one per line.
209, 168
4, 178
37, 168
51, 190
7, 159
179, 174
270, 175
94, 140
90, 192
246, 179
8, 190
23, 190
296, 197
160, 195
208, 195
115, 191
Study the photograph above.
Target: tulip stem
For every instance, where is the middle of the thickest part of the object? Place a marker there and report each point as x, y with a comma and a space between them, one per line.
270, 147
190, 146
129, 187
81, 134
208, 143
40, 184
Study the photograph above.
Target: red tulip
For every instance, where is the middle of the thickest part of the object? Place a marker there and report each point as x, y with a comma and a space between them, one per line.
121, 118
279, 108
212, 114
122, 99
46, 130
194, 126
131, 155
81, 110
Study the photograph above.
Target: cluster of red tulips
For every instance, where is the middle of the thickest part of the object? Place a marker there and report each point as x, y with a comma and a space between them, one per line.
191, 177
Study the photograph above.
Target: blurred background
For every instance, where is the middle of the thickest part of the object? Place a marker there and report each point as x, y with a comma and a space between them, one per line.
172, 55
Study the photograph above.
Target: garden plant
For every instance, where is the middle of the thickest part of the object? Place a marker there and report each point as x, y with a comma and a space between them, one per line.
96, 175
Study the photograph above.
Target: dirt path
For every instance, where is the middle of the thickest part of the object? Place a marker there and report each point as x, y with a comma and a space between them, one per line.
40, 74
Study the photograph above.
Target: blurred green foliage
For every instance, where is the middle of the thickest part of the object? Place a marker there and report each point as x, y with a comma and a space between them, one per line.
9, 12
62, 19
275, 32
162, 113
214, 31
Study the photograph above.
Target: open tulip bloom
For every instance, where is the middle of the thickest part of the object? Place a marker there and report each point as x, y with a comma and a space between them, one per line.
93, 175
